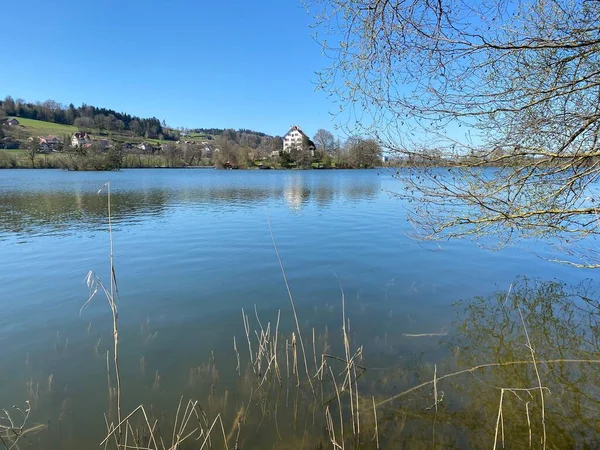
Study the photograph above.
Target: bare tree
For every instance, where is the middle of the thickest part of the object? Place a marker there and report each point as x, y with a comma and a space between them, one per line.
513, 84
324, 141
191, 153
32, 149
84, 123
136, 127
173, 154
363, 152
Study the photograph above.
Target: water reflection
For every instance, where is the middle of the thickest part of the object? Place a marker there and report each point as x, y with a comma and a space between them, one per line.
485, 391
295, 193
26, 213
488, 390
54, 207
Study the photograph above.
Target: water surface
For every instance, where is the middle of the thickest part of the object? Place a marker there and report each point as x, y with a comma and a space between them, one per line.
192, 249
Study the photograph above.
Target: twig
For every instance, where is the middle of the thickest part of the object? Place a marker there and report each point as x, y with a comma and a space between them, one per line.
485, 366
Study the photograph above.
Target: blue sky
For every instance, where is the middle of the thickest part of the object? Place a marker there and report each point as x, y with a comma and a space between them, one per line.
229, 63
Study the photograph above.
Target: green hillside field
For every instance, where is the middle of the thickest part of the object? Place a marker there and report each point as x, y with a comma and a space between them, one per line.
41, 128
31, 127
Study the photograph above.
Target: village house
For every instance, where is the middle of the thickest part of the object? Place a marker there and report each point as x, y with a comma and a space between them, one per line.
11, 122
48, 144
146, 147
49, 140
295, 138
9, 143
81, 139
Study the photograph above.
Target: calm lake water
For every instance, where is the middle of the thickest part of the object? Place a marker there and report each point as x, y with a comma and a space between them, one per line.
193, 248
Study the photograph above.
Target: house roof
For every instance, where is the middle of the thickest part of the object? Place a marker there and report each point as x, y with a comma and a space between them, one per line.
295, 128
48, 138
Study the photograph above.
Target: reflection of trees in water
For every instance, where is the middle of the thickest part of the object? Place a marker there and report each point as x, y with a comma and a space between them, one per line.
489, 361
24, 212
564, 327
27, 211
300, 190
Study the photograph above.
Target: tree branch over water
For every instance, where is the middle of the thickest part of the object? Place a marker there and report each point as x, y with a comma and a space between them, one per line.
513, 84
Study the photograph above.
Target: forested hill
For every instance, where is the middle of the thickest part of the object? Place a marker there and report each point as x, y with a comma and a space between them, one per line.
220, 131
87, 117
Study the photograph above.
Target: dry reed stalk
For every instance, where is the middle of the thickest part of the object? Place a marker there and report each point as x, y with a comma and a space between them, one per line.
528, 422
295, 359
247, 329
435, 391
319, 373
357, 400
236, 424
267, 371
109, 429
258, 318
156, 383
499, 422
108, 374
113, 290
133, 436
276, 349
237, 355
176, 419
287, 359
291, 297
314, 351
330, 428
337, 394
112, 295
190, 409
347, 379
376, 437
237, 438
537, 374
127, 428
208, 433
112, 428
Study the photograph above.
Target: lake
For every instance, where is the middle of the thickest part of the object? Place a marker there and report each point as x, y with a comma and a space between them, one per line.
193, 248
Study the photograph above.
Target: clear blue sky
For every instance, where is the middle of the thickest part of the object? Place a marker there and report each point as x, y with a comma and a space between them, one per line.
226, 64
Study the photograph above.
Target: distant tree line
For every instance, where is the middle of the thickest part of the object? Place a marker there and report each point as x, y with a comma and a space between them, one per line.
87, 118
246, 148
220, 131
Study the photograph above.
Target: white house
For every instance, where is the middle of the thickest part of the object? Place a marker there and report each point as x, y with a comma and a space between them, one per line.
146, 147
293, 138
81, 139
